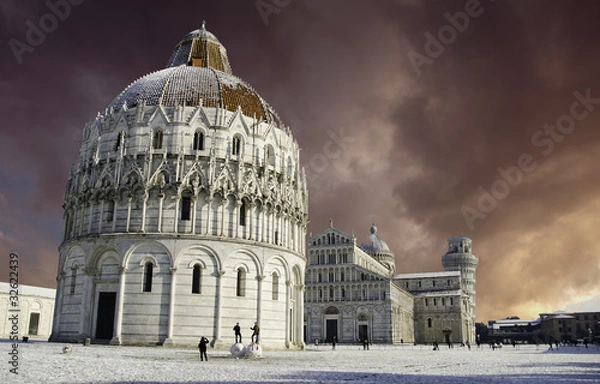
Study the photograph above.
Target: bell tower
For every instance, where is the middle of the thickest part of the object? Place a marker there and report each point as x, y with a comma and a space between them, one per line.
460, 258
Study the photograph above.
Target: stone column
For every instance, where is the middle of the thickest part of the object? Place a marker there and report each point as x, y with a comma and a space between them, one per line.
218, 303
114, 221
87, 301
236, 218
176, 213
299, 312
129, 199
289, 321
116, 340
194, 213
207, 230
161, 197
101, 216
58, 300
223, 205
259, 295
144, 208
251, 220
91, 215
168, 342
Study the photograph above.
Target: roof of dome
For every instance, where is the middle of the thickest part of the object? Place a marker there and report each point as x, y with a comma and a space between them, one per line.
377, 244
198, 73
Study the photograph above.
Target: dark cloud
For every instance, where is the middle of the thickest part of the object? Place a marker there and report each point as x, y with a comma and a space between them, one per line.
416, 148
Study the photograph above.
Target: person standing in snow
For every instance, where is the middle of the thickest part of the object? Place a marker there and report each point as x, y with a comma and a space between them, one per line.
256, 331
202, 347
238, 333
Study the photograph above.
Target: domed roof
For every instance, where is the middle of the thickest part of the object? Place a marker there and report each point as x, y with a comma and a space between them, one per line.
198, 74
377, 244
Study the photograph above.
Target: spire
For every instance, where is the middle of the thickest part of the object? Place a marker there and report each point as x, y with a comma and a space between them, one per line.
203, 27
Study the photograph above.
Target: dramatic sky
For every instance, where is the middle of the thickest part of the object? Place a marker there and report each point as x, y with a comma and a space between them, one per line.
428, 118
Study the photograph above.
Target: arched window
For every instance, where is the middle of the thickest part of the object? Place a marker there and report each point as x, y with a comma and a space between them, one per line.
429, 322
119, 139
73, 278
330, 293
243, 213
110, 211
342, 276
236, 146
275, 286
158, 139
148, 267
241, 282
186, 207
197, 279
270, 155
198, 144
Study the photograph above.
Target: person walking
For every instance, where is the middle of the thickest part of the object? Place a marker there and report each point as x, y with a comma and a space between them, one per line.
238, 333
333, 342
202, 347
255, 332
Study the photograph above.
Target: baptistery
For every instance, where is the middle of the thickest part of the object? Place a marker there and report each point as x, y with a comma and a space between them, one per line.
185, 213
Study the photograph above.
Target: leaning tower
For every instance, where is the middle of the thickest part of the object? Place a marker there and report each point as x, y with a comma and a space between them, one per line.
460, 258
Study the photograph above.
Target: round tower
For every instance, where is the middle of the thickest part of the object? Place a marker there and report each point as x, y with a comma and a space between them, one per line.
460, 258
185, 212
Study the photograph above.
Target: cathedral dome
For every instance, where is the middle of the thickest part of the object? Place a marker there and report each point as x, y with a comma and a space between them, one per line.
377, 243
198, 74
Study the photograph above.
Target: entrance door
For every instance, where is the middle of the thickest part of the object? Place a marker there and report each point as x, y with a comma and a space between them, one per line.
105, 318
331, 331
363, 332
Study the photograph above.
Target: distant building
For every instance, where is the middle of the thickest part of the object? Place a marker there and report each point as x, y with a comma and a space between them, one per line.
35, 311
514, 329
353, 292
557, 326
570, 326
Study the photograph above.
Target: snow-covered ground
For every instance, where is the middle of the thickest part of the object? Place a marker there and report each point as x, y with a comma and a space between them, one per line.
45, 363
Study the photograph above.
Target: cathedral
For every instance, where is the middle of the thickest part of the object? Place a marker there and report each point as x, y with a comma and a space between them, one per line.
353, 293
185, 213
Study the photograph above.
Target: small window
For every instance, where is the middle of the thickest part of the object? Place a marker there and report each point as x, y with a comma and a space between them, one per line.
34, 322
197, 279
275, 288
241, 283
119, 140
433, 282
434, 302
158, 139
243, 213
73, 278
148, 267
236, 146
443, 301
186, 208
110, 211
429, 322
198, 144
419, 284
270, 155
426, 302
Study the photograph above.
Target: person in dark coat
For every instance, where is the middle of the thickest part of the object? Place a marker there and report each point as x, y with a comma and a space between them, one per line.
202, 347
238, 333
255, 332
